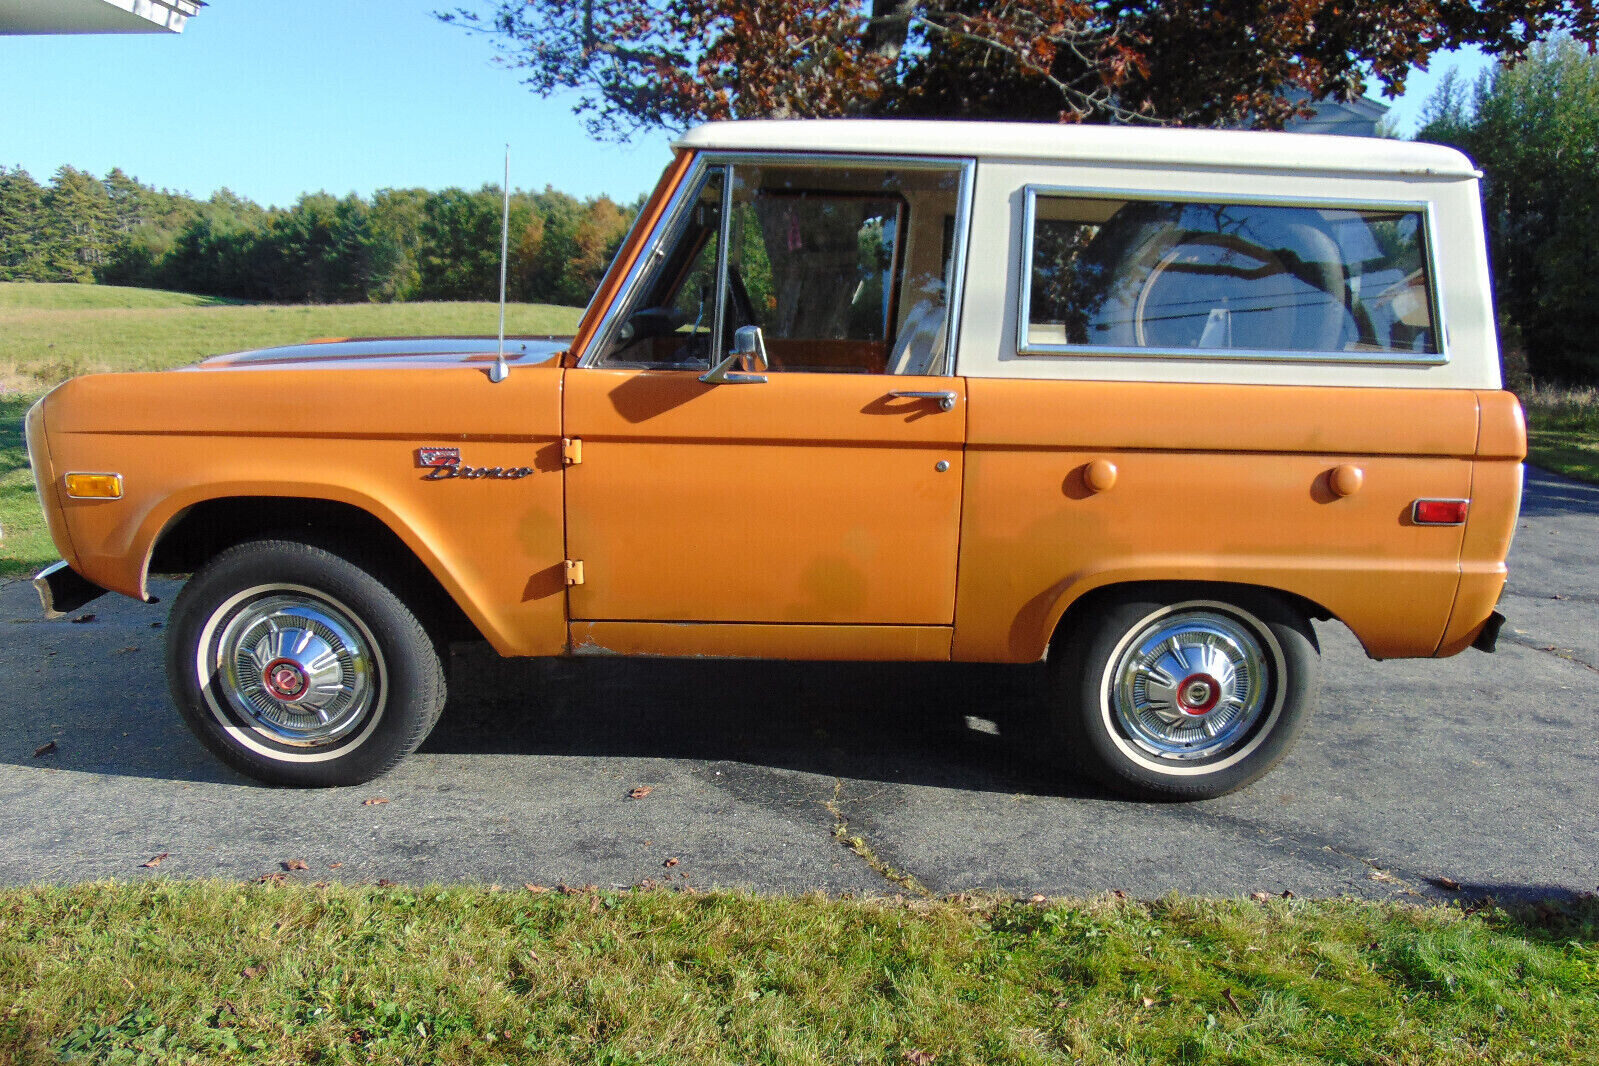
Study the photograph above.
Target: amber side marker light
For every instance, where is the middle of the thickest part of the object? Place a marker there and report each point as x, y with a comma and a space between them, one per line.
1439, 512
94, 486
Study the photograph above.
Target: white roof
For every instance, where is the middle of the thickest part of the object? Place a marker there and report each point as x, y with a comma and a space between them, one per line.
1242, 149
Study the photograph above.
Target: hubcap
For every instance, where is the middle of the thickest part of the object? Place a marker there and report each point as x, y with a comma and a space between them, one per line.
296, 668
1190, 685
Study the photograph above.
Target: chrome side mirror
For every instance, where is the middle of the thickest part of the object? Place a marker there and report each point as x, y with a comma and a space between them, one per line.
751, 347
749, 353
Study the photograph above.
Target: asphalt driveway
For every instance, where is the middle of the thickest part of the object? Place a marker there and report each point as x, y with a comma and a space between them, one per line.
1480, 771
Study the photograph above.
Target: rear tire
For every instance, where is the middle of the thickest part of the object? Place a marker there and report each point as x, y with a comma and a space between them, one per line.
296, 666
1167, 692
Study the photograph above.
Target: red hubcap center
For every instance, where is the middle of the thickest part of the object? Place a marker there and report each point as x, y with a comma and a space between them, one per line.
285, 679
1198, 694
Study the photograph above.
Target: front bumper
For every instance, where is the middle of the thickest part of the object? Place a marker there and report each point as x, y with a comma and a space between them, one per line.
63, 590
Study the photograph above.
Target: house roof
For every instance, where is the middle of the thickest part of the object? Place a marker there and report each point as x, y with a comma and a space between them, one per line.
96, 16
1083, 143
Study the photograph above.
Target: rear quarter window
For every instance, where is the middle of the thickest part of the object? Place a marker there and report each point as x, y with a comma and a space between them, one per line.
1107, 274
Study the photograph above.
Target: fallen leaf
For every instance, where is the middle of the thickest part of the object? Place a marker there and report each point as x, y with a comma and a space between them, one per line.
375, 801
1118, 893
273, 878
918, 1057
1384, 876
1288, 893
646, 885
531, 887
1146, 1001
640, 792
1445, 882
155, 861
1259, 897
334, 865
251, 972
1227, 993
129, 648
1038, 899
45, 749
669, 862
384, 882
295, 864
594, 904
82, 618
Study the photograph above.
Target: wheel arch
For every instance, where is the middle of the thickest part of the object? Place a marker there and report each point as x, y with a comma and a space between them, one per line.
1088, 600
198, 531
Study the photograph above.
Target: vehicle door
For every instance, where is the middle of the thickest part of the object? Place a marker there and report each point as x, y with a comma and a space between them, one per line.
814, 479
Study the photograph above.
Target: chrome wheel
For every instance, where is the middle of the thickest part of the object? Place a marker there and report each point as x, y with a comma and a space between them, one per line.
1192, 683
293, 666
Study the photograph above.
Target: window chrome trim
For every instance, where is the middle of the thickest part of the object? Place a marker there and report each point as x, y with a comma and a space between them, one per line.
687, 193
1025, 348
724, 244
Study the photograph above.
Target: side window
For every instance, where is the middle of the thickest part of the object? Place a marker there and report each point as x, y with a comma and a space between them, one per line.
844, 268
669, 322
1178, 276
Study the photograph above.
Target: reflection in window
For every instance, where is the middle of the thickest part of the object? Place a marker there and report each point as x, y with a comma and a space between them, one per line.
1170, 275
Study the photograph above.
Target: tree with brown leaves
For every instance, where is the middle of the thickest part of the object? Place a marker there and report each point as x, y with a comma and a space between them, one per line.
670, 63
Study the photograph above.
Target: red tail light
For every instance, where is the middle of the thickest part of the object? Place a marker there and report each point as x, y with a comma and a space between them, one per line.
1439, 512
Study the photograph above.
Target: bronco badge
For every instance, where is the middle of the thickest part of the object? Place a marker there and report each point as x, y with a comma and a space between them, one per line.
442, 464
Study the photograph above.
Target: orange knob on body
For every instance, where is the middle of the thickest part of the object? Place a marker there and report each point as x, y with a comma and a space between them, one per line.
1345, 479
1100, 475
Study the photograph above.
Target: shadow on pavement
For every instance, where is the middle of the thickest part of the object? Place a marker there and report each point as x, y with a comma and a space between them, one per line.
903, 723
899, 723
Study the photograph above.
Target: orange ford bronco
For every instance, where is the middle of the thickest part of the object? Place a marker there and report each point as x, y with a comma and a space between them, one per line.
1142, 403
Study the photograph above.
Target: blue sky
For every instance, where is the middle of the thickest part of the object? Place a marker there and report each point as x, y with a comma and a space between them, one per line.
275, 99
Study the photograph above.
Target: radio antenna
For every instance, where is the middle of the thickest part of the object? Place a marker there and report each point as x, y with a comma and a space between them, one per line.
501, 370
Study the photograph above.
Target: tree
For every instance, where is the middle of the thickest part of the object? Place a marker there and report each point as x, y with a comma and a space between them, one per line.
396, 234
77, 226
21, 226
1533, 128
459, 257
646, 63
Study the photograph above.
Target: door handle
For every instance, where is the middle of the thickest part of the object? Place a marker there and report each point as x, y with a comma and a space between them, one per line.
945, 398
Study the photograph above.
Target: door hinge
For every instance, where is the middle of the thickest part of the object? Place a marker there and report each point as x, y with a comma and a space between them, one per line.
571, 450
574, 571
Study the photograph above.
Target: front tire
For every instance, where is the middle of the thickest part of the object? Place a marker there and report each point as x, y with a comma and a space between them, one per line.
296, 666
1172, 693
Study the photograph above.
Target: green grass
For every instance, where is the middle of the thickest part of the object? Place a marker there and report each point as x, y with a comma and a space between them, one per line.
1563, 431
24, 545
207, 971
41, 296
49, 333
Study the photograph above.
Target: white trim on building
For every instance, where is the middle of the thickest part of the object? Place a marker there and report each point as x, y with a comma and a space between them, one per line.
96, 16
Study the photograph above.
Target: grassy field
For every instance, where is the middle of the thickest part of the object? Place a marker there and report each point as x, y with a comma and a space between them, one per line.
1563, 431
205, 971
49, 333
